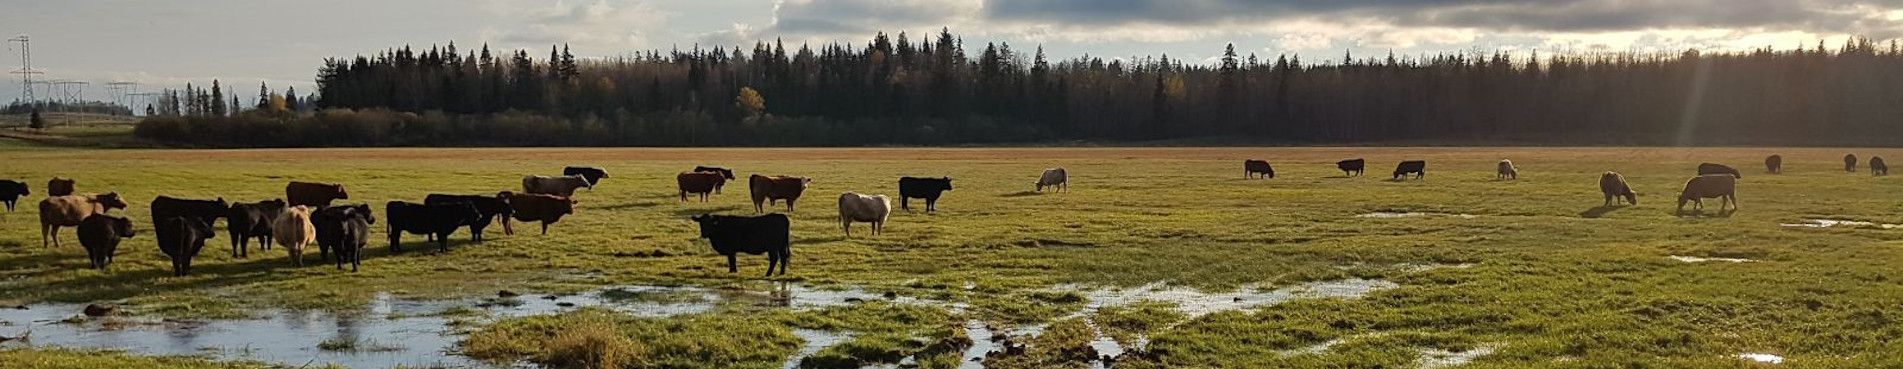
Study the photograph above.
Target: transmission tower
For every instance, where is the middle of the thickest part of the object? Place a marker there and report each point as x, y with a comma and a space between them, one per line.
26, 71
121, 92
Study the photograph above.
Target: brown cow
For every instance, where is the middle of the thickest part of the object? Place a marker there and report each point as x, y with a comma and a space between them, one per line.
700, 183
767, 189
69, 211
60, 187
531, 207
315, 195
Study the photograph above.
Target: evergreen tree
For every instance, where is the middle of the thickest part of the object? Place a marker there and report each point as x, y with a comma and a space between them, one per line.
217, 100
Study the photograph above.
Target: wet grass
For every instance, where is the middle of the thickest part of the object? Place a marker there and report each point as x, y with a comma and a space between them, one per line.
1555, 280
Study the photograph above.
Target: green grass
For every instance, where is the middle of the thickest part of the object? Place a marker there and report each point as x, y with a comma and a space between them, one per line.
1548, 286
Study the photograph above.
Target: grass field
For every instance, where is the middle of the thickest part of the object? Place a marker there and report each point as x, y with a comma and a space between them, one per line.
1531, 272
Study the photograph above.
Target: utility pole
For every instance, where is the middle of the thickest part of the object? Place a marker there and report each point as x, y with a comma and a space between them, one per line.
26, 71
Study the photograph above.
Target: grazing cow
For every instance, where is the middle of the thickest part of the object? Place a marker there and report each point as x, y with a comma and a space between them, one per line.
435, 220
100, 234
180, 238
488, 207
350, 244
293, 230
563, 186
1877, 167
1416, 167
1850, 163
592, 174
314, 195
209, 210
1059, 179
1251, 167
252, 220
1774, 164
767, 190
70, 210
1714, 168
60, 187
1352, 167
332, 222
1506, 170
699, 183
725, 175
764, 234
854, 207
548, 209
1614, 187
1709, 186
11, 190
926, 188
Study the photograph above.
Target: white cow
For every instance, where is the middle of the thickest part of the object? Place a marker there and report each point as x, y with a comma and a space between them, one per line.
854, 207
1055, 178
293, 230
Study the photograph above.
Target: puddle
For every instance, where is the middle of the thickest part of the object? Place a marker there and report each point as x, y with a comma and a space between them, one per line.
1194, 304
815, 340
1438, 358
1834, 223
1315, 349
1411, 214
394, 331
1697, 259
1762, 358
981, 345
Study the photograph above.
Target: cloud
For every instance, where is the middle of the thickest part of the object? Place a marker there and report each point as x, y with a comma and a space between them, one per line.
592, 25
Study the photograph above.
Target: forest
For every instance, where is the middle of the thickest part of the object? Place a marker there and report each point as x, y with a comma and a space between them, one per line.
894, 90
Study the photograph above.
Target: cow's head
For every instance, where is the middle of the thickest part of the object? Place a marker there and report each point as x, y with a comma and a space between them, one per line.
947, 179
707, 224
805, 181
18, 188
110, 200
341, 194
122, 226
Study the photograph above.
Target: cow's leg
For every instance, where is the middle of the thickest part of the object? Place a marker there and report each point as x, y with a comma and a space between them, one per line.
396, 237
931, 205
902, 203
683, 196
845, 225
789, 205
45, 229
733, 266
786, 259
442, 242
772, 261
1608, 200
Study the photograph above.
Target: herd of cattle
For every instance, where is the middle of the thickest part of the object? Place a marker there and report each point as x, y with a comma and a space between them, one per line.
307, 216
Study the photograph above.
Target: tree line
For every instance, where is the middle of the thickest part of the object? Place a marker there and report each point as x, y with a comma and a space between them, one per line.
895, 90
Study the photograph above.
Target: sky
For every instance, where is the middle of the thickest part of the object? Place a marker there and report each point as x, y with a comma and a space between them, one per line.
165, 44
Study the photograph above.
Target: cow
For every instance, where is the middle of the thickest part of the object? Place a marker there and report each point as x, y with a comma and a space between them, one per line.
354, 234
1715, 168
1055, 178
1850, 163
1877, 167
1352, 167
592, 174
314, 195
10, 192
293, 230
60, 187
180, 238
1252, 167
699, 183
488, 207
854, 207
1416, 167
330, 223
246, 221
1709, 186
563, 186
725, 175
1614, 187
1506, 170
766, 190
764, 234
548, 209
100, 234
209, 210
1774, 164
929, 189
436, 220
70, 210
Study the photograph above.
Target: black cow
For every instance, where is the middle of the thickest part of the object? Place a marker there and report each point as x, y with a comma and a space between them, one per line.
765, 234
251, 220
1252, 167
1416, 167
487, 206
1877, 167
724, 173
11, 190
926, 188
437, 220
329, 223
207, 210
1715, 168
100, 234
180, 238
1352, 167
593, 174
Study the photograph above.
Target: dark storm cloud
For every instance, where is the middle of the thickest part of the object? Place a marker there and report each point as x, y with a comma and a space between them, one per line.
1538, 15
